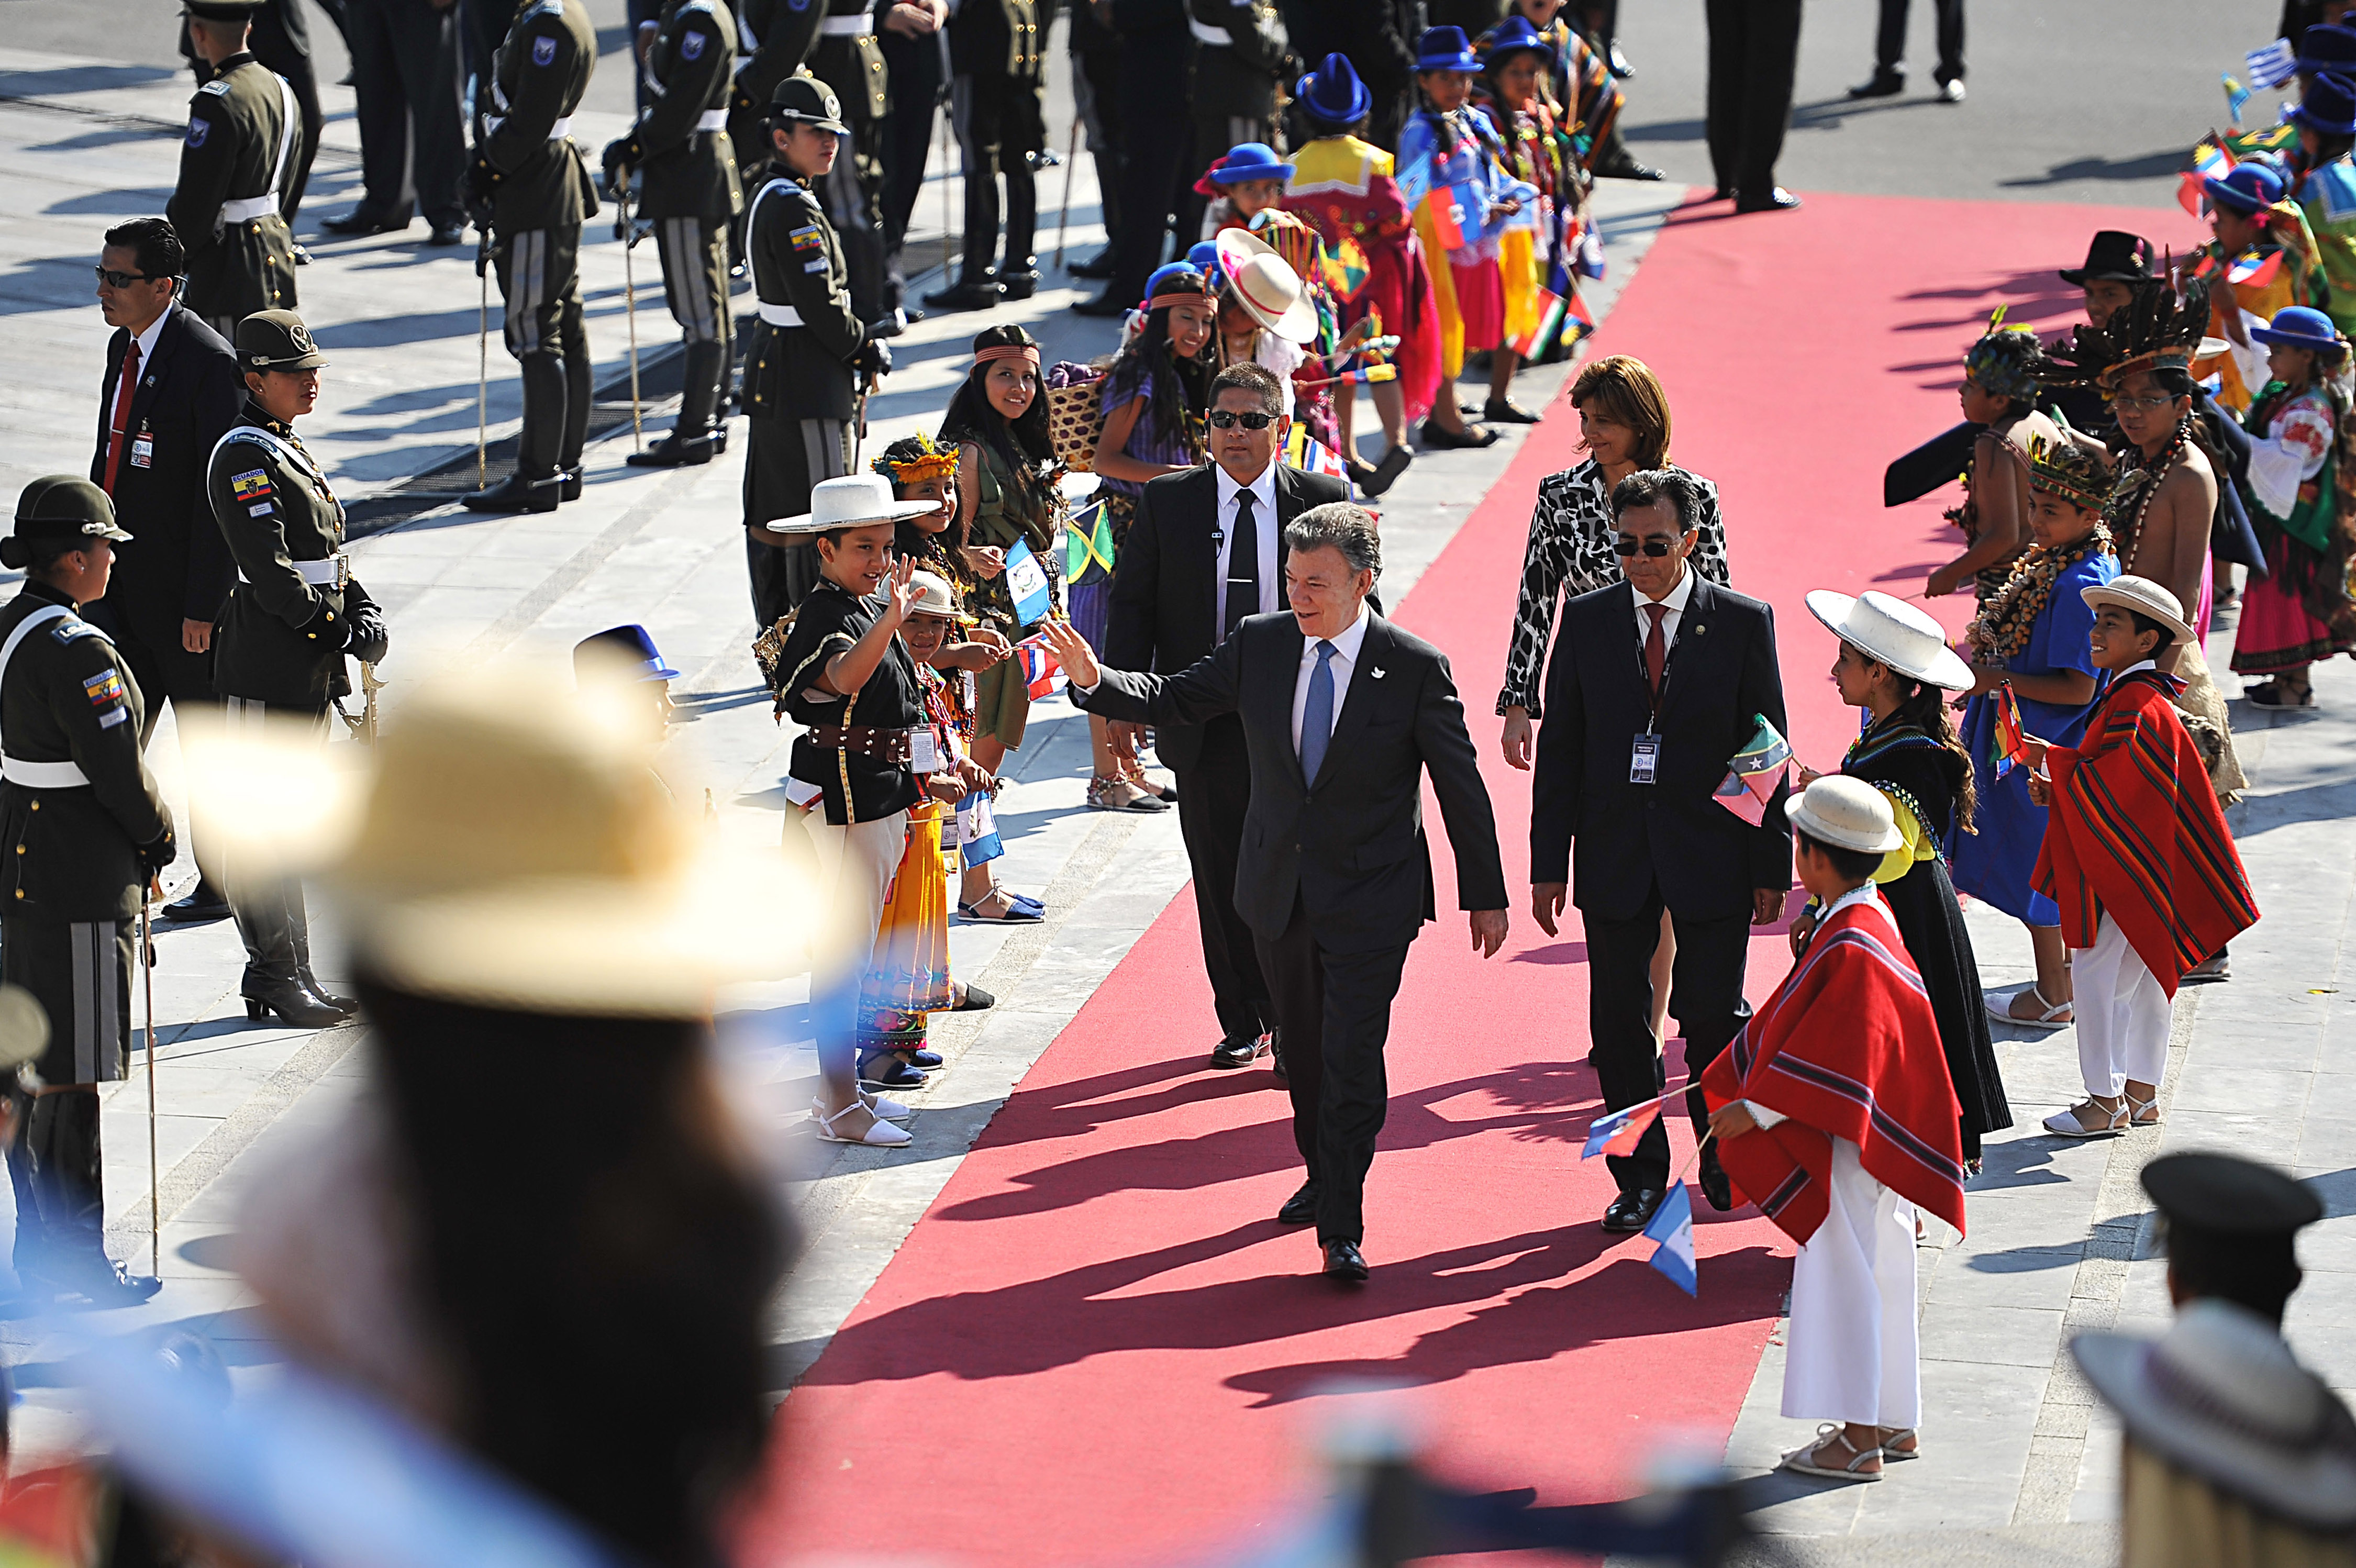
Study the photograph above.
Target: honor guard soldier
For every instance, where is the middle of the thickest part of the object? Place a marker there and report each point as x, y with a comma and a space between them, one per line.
529, 183
774, 36
243, 127
86, 832
283, 635
688, 189
811, 353
848, 58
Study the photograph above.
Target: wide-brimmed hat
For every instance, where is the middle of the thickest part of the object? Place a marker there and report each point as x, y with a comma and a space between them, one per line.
66, 506
2115, 256
1513, 34
933, 596
1891, 631
1332, 94
2299, 326
2221, 1396
1445, 48
2327, 48
622, 648
2248, 189
2329, 106
2145, 598
1248, 160
276, 341
1268, 286
1848, 813
854, 500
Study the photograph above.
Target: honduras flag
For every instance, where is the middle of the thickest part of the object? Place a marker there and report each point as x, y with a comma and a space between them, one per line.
1617, 1132
1672, 1227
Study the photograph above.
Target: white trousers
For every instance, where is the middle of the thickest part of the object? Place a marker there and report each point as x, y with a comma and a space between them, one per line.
1852, 1352
2121, 1013
855, 866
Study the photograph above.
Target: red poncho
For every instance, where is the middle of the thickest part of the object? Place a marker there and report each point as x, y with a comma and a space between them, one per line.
1847, 1047
2135, 831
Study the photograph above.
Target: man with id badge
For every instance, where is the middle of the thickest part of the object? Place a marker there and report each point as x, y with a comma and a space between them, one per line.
1655, 683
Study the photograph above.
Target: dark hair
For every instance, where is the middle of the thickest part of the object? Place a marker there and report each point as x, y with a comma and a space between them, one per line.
2256, 1271
2145, 623
39, 556
1023, 445
1857, 864
1258, 379
1651, 485
565, 1222
2017, 408
1181, 388
1338, 525
1924, 706
154, 243
1625, 391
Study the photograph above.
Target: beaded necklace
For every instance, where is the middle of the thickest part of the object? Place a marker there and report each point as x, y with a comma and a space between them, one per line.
2004, 626
2138, 482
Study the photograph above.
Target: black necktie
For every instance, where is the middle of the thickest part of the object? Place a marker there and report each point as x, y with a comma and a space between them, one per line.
1243, 565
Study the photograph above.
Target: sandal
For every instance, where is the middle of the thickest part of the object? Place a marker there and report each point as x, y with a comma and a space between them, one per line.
2136, 1108
880, 1134
1120, 795
1803, 1461
1011, 910
878, 1106
2280, 694
2048, 1020
1900, 1434
2072, 1123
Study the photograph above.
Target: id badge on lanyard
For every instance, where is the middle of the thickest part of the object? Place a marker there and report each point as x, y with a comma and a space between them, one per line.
1644, 758
924, 750
143, 450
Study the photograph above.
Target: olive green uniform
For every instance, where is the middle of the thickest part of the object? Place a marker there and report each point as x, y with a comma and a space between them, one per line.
235, 162
801, 391
540, 194
84, 825
848, 58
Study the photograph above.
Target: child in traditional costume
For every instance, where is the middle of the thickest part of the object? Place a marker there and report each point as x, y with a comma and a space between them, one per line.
2138, 858
1998, 394
1451, 171
1291, 328
1895, 665
1342, 186
1587, 100
2302, 501
2324, 185
2261, 263
1834, 1113
1536, 275
2030, 658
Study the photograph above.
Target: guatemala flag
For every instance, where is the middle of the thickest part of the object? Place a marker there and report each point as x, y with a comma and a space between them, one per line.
1672, 1227
1617, 1132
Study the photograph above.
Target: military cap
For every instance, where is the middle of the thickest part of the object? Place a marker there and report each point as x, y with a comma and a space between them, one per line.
806, 101
276, 341
223, 10
61, 506
2222, 1196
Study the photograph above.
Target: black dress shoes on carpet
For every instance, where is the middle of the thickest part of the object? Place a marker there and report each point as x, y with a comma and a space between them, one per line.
1632, 1211
1345, 1262
1241, 1052
1301, 1209
1714, 1184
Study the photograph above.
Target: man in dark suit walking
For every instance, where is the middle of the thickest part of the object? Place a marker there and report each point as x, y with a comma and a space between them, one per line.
1342, 713
171, 392
1655, 685
1754, 51
1206, 552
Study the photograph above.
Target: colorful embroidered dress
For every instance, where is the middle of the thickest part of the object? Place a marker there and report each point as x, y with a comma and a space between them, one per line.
2328, 197
1451, 171
2300, 612
2280, 270
1344, 188
1530, 262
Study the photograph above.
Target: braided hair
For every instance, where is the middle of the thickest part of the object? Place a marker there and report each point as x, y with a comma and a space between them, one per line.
1181, 388
1924, 706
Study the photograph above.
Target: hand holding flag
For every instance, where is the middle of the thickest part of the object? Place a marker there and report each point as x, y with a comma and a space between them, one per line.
1753, 773
1618, 1133
2008, 744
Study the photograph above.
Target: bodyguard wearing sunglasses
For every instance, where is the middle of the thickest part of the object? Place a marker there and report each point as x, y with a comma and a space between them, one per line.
1655, 683
1206, 551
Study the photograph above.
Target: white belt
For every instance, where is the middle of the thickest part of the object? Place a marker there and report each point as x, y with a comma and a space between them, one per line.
780, 315
42, 775
713, 120
847, 26
319, 574
248, 208
560, 130
1217, 37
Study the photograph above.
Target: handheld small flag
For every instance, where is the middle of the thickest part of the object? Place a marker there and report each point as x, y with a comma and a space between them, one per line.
1302, 450
1753, 772
2253, 270
2273, 65
2236, 97
1619, 1132
2004, 748
1346, 268
1449, 218
1027, 585
1671, 1228
1578, 322
1039, 667
1547, 323
1088, 539
2210, 161
1591, 255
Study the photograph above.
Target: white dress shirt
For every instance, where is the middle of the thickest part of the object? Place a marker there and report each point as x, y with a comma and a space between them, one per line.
1676, 599
147, 341
1345, 660
1265, 529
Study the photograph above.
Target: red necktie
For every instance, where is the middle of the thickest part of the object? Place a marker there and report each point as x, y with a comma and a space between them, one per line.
119, 429
1656, 649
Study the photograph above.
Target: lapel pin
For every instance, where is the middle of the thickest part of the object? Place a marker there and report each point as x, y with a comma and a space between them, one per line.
1699, 628
1377, 674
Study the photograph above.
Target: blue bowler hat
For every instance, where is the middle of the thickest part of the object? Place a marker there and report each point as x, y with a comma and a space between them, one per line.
1445, 48
2299, 326
2329, 106
2247, 189
1331, 95
1511, 34
1201, 255
2328, 50
1249, 160
628, 643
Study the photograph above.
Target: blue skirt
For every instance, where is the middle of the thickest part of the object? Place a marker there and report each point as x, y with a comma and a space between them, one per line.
1993, 864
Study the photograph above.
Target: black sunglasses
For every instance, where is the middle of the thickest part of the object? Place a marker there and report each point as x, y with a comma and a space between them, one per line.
1629, 544
1227, 419
113, 279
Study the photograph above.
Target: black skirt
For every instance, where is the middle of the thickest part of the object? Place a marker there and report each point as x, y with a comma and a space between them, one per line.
1931, 923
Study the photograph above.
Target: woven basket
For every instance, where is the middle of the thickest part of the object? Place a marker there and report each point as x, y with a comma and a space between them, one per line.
1074, 420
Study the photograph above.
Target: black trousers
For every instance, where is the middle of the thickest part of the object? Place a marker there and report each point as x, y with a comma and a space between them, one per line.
999, 132
917, 73
1156, 147
540, 279
1213, 795
1754, 46
271, 920
165, 671
852, 194
1889, 39
405, 74
1705, 995
1336, 1011
783, 459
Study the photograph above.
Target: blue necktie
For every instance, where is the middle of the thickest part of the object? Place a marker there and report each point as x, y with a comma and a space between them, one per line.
1317, 713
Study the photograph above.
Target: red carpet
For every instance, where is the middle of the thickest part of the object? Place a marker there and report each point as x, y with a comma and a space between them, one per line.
1098, 1345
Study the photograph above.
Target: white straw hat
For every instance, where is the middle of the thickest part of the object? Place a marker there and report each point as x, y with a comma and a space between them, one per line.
2145, 598
854, 500
1848, 813
933, 596
1270, 290
1893, 633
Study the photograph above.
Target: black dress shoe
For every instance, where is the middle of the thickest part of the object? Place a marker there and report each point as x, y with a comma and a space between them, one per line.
1777, 200
1505, 411
980, 293
1099, 266
1102, 304
568, 483
1632, 1211
1714, 1184
95, 1277
293, 1002
516, 493
1626, 167
301, 256
1019, 285
675, 451
1880, 84
360, 221
447, 232
1301, 1209
1233, 1053
1345, 1262
1723, 193
205, 903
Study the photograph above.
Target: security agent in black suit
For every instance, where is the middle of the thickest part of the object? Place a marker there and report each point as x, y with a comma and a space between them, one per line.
1206, 551
1754, 51
1342, 714
1655, 685
171, 575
